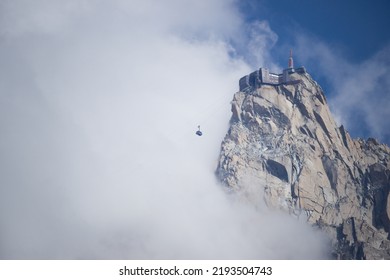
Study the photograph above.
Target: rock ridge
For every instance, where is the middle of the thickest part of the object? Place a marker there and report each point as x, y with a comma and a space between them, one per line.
284, 147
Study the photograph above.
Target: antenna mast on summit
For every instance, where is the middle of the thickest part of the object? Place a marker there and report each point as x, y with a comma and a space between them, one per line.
290, 60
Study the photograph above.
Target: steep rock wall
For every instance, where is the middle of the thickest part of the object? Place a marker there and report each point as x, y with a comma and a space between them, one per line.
284, 147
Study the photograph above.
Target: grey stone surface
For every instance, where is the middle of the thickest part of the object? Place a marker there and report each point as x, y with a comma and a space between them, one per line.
285, 148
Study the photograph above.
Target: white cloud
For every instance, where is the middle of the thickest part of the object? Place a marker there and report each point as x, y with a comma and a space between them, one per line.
99, 106
261, 41
254, 43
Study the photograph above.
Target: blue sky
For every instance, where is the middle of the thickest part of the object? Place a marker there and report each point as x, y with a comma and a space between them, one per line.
333, 39
359, 28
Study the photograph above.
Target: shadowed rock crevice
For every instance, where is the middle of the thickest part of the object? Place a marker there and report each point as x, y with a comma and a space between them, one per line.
330, 170
277, 169
344, 136
322, 124
302, 109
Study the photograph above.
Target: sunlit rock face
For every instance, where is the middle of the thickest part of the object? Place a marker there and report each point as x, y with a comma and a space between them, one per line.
284, 148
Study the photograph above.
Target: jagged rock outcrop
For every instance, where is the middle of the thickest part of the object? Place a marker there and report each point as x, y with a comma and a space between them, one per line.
284, 147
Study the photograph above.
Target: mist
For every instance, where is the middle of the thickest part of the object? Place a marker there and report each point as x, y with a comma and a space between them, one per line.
99, 104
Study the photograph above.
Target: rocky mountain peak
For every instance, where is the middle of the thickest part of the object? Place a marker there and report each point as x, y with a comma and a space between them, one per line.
285, 148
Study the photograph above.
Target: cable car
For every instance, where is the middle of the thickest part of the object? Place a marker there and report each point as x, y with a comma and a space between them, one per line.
199, 133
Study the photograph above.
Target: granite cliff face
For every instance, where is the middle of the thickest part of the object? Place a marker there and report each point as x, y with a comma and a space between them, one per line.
284, 147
